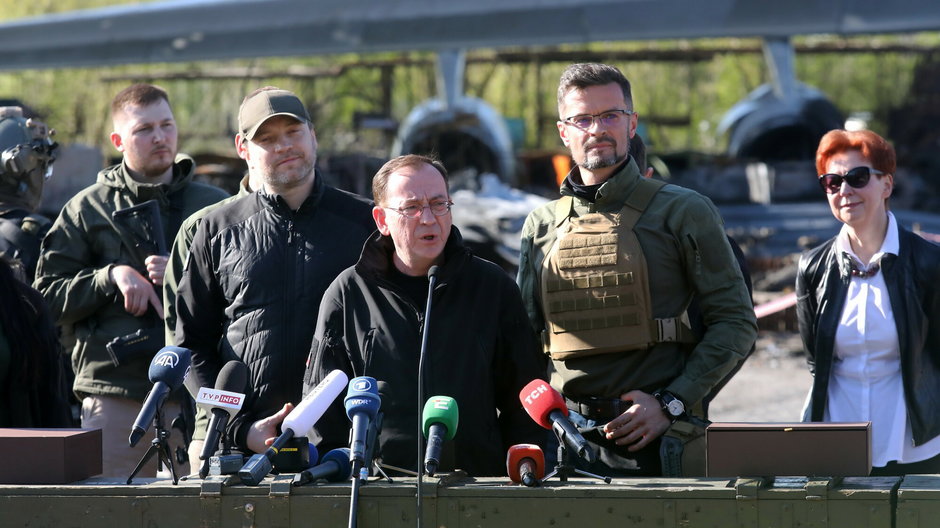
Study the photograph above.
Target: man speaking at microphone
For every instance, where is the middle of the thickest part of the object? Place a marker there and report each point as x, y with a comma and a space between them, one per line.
480, 351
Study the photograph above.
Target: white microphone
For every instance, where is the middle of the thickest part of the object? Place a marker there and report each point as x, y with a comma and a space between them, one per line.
298, 422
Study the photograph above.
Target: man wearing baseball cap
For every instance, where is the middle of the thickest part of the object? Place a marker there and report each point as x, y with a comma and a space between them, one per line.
259, 265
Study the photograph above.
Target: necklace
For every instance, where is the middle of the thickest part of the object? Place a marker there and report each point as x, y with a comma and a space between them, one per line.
864, 274
854, 268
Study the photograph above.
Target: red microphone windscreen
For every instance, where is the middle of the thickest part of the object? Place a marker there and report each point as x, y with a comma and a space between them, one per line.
539, 399
517, 454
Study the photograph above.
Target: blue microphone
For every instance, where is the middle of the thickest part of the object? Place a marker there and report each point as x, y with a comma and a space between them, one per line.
334, 467
168, 369
362, 404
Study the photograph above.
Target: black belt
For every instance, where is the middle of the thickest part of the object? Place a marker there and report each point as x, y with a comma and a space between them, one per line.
599, 409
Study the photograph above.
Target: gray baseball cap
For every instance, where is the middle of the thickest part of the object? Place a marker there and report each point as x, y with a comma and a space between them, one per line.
266, 104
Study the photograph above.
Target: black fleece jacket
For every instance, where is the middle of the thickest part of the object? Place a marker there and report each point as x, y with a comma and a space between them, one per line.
252, 285
481, 352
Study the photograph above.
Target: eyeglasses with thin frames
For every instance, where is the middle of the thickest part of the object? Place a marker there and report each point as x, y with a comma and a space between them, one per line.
608, 119
438, 208
857, 178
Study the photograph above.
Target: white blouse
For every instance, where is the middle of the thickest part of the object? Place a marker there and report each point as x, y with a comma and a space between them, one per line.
865, 383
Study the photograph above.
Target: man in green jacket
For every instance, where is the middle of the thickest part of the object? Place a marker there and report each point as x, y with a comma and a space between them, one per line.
93, 280
607, 272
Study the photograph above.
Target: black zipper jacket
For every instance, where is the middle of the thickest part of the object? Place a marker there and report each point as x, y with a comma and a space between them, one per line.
913, 281
252, 285
481, 352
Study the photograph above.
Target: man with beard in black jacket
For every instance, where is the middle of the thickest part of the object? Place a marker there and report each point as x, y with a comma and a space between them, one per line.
259, 265
481, 351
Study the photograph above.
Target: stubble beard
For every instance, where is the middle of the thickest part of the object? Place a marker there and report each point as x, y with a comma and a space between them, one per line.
155, 170
594, 161
287, 178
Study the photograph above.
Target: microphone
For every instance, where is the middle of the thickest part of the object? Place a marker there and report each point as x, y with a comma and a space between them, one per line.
168, 369
546, 406
298, 422
425, 331
334, 467
439, 423
525, 464
362, 404
223, 403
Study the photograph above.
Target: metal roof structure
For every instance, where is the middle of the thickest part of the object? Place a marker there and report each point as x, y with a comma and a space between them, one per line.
192, 30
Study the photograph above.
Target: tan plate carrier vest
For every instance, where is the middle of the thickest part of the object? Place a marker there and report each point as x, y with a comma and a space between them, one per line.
595, 285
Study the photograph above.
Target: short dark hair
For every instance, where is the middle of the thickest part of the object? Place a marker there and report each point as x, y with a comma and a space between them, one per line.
586, 74
380, 180
141, 94
638, 151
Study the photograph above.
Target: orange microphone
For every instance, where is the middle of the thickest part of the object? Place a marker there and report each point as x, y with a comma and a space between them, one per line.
525, 464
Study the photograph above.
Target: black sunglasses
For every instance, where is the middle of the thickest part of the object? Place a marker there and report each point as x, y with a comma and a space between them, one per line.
856, 178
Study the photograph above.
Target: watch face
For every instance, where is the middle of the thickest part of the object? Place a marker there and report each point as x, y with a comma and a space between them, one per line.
675, 407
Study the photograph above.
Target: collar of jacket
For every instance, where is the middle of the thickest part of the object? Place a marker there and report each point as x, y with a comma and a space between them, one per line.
612, 194
377, 252
277, 203
119, 176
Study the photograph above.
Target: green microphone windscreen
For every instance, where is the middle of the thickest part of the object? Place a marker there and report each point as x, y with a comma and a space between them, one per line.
442, 410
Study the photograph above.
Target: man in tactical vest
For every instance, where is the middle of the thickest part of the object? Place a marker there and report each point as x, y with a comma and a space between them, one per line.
104, 276
26, 156
607, 273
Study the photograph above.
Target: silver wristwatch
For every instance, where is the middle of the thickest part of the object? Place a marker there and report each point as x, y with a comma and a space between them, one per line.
672, 405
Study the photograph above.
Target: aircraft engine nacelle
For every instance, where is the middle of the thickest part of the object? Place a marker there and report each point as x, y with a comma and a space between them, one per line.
766, 127
468, 134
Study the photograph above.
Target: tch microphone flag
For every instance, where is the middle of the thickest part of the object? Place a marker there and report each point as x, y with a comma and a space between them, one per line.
547, 407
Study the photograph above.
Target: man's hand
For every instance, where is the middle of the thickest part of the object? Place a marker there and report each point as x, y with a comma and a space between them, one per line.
263, 432
138, 292
156, 268
640, 424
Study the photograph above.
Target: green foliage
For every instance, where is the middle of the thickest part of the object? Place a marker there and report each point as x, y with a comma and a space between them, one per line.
680, 102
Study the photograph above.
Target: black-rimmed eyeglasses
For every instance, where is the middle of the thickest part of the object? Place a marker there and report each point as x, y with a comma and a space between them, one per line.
856, 178
608, 119
440, 208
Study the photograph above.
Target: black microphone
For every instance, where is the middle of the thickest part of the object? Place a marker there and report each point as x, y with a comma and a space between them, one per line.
223, 403
168, 369
334, 467
432, 282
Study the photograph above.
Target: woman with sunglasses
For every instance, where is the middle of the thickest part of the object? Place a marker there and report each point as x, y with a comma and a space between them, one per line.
869, 311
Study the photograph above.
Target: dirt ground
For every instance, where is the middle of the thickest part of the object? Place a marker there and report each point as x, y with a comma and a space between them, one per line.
772, 385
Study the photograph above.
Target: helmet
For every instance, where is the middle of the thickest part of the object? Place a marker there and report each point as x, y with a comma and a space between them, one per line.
26, 155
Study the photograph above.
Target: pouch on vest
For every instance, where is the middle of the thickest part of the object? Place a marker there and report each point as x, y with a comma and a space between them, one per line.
682, 448
595, 284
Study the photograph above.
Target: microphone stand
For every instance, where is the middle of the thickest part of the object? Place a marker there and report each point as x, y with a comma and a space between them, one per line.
564, 468
432, 282
159, 446
354, 494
